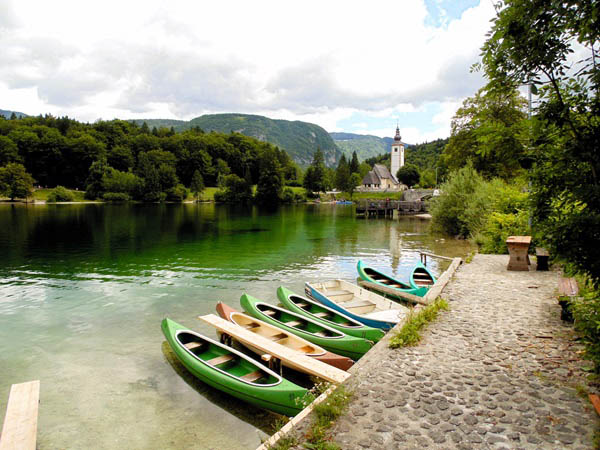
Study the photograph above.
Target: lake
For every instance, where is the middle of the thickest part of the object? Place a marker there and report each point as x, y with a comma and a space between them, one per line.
84, 287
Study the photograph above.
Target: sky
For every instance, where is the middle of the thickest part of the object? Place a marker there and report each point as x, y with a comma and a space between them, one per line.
352, 66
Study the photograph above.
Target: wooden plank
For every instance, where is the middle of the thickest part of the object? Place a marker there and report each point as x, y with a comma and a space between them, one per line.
390, 291
596, 402
193, 345
519, 240
567, 287
292, 358
19, 431
253, 376
220, 360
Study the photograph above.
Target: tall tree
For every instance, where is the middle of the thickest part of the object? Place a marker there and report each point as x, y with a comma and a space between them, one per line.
197, 185
270, 182
531, 42
315, 177
342, 175
354, 164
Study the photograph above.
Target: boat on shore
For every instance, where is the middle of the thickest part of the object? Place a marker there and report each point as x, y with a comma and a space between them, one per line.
233, 372
319, 312
358, 303
330, 339
375, 276
282, 337
421, 277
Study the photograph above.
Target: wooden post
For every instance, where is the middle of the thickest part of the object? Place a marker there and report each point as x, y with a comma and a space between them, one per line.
19, 431
391, 291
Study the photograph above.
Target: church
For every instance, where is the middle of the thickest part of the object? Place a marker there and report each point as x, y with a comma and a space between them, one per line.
381, 178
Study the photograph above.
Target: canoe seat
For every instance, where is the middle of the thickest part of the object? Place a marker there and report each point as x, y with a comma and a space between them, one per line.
252, 325
293, 323
307, 349
253, 376
278, 337
356, 304
418, 276
335, 293
301, 304
322, 314
220, 359
193, 345
270, 312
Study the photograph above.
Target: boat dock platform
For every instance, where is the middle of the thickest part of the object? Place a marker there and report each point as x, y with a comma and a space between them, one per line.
19, 431
386, 208
284, 354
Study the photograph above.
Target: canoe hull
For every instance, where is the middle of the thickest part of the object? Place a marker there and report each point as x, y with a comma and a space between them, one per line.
284, 397
421, 277
338, 361
367, 273
287, 297
340, 344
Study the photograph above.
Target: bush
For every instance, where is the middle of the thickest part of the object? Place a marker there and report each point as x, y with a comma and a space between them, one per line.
60, 194
586, 312
499, 226
287, 195
177, 193
116, 197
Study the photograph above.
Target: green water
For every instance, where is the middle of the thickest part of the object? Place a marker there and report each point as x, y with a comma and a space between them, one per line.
83, 289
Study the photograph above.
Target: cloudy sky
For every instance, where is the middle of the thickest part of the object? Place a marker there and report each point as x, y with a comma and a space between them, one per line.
351, 66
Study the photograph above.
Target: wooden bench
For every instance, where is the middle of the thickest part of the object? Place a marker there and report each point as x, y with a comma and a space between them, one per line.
220, 359
567, 287
356, 304
322, 314
542, 256
19, 431
253, 376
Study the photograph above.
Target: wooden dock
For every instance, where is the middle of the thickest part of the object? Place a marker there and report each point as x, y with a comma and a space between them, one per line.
290, 357
19, 431
386, 208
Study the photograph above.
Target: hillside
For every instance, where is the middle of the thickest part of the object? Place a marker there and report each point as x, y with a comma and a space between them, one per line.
7, 114
365, 146
298, 139
424, 156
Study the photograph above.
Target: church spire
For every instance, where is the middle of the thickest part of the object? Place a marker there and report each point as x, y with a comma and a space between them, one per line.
397, 137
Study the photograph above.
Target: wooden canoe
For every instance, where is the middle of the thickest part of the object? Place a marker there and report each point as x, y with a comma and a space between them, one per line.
358, 303
233, 372
330, 339
282, 337
375, 276
319, 312
421, 277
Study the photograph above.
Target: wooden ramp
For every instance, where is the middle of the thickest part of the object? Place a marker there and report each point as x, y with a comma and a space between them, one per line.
292, 359
19, 431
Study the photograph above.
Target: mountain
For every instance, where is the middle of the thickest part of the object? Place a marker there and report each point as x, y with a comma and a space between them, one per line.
7, 114
299, 139
365, 146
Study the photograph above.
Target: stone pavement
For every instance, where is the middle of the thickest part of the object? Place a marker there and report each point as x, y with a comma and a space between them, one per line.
499, 370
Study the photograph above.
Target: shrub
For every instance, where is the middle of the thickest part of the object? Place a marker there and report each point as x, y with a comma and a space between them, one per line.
499, 226
288, 196
116, 197
586, 312
60, 194
177, 193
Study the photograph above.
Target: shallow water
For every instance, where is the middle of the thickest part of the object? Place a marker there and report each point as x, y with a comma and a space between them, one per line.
83, 289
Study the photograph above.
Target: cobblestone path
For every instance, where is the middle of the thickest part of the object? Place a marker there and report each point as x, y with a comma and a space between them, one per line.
498, 370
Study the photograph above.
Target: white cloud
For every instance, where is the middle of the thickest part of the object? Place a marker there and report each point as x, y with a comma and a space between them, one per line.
311, 61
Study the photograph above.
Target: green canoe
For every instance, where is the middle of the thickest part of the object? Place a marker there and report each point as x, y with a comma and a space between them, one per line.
233, 372
375, 276
315, 332
328, 316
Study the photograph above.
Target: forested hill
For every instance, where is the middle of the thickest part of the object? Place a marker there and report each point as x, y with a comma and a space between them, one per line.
424, 156
365, 146
8, 114
299, 139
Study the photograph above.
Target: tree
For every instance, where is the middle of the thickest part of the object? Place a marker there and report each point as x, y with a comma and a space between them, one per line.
315, 176
9, 152
15, 182
408, 175
197, 185
237, 190
94, 184
342, 175
354, 164
355, 180
270, 182
488, 130
531, 42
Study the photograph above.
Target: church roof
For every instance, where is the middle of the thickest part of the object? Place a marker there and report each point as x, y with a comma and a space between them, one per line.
378, 173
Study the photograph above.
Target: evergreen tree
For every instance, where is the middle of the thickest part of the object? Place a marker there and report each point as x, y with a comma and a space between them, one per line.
354, 164
315, 177
342, 175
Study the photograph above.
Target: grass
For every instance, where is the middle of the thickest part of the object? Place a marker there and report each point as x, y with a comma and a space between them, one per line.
324, 416
409, 333
469, 257
42, 194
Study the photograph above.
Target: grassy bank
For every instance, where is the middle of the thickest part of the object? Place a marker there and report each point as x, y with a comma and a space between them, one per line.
42, 194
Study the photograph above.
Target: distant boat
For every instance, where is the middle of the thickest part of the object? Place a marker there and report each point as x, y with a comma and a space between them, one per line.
375, 276
232, 372
344, 202
330, 339
317, 311
282, 337
358, 303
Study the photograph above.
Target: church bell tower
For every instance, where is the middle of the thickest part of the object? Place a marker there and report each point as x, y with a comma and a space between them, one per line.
397, 153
